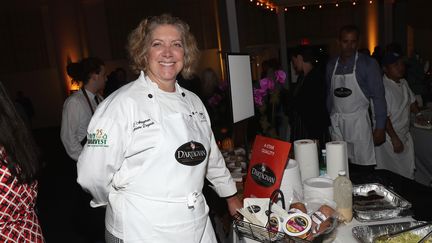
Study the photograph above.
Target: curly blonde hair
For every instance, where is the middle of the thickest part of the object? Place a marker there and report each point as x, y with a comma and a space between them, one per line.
140, 39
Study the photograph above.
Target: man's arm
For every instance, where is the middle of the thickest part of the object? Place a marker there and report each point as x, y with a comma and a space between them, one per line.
328, 77
394, 138
375, 86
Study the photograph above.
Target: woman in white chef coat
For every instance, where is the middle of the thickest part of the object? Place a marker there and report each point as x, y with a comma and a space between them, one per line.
150, 146
397, 153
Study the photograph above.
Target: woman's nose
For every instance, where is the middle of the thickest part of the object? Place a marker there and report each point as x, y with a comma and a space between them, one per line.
167, 51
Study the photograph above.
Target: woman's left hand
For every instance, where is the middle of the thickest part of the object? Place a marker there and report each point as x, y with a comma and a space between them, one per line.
234, 203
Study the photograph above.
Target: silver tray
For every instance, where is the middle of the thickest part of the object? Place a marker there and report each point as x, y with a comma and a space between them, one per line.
367, 233
373, 202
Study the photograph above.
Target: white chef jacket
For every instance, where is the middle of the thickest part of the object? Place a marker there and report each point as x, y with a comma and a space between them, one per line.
399, 98
117, 150
75, 119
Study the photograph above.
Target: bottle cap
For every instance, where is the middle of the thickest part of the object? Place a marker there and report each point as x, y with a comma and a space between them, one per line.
341, 173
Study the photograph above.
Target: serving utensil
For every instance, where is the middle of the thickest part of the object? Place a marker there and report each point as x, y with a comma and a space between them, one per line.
427, 236
396, 233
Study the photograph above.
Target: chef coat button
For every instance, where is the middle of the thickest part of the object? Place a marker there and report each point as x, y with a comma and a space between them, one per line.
150, 96
183, 94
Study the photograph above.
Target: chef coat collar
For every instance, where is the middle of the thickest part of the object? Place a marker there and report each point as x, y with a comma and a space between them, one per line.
154, 87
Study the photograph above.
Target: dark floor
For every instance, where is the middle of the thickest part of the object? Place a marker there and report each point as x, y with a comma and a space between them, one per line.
66, 217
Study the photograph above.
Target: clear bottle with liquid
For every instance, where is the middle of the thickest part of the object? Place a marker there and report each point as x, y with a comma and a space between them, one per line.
323, 163
343, 196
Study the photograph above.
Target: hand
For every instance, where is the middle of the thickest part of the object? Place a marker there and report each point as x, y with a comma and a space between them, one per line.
397, 145
378, 136
234, 203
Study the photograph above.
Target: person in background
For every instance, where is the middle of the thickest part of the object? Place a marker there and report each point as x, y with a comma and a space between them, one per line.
308, 114
116, 79
80, 106
77, 112
397, 153
19, 166
214, 94
353, 81
378, 54
151, 146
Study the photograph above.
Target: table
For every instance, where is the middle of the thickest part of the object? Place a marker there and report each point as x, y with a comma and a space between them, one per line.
422, 139
342, 234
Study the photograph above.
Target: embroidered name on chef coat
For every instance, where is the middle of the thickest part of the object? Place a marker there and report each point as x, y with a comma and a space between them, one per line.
200, 115
142, 124
191, 153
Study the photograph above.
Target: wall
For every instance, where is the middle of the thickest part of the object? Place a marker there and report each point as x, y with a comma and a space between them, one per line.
44, 90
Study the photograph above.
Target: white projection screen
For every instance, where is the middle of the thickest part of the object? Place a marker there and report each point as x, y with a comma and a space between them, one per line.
240, 79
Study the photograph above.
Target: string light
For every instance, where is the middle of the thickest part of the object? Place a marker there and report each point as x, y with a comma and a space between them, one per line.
271, 6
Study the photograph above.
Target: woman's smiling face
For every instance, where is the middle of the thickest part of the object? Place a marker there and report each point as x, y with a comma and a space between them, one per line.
165, 57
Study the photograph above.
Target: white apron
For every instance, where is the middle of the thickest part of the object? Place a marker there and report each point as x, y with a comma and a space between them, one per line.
175, 211
349, 117
398, 102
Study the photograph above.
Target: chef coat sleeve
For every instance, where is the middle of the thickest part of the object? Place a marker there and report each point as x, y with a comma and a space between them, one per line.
217, 172
411, 94
69, 128
102, 156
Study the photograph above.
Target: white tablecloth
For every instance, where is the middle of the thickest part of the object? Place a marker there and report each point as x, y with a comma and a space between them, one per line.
422, 139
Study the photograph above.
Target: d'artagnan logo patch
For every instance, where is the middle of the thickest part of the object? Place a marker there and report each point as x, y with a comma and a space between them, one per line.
191, 153
342, 92
263, 175
97, 139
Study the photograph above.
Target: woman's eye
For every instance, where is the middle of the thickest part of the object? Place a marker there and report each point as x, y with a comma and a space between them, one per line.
178, 45
156, 44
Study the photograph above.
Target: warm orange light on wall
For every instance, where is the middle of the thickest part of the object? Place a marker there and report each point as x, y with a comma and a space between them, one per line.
372, 26
74, 86
70, 55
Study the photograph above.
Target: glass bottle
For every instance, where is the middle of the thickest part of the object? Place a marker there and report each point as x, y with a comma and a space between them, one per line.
322, 163
343, 196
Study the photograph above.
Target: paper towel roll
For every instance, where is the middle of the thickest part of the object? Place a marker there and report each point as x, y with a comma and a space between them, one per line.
306, 154
336, 158
291, 181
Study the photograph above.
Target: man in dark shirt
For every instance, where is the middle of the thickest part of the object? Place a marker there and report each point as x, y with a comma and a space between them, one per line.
353, 80
308, 114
